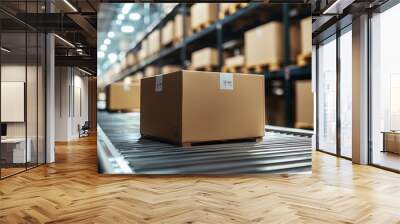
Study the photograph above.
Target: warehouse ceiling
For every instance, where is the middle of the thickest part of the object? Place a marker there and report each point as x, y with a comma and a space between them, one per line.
121, 26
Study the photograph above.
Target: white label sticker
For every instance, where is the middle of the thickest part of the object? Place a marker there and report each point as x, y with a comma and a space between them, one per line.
158, 83
226, 81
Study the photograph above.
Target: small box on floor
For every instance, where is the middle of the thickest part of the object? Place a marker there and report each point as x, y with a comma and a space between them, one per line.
188, 107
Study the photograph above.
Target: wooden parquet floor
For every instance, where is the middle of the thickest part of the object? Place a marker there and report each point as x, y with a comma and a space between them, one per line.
71, 191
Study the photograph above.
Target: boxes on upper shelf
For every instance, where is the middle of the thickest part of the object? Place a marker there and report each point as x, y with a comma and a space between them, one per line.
167, 33
202, 15
150, 71
306, 35
231, 108
304, 105
154, 42
264, 45
131, 59
179, 24
169, 68
204, 58
123, 96
304, 57
144, 51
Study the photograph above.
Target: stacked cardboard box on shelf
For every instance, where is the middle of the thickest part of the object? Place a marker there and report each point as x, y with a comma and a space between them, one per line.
179, 26
204, 58
235, 61
304, 103
167, 33
131, 59
150, 71
306, 33
264, 45
154, 42
169, 69
143, 52
123, 96
231, 108
203, 14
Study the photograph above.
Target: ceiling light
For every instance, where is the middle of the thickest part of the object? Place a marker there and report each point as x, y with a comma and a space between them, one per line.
127, 29
65, 41
118, 22
121, 17
111, 34
126, 8
100, 54
70, 5
112, 57
135, 16
103, 47
5, 49
107, 41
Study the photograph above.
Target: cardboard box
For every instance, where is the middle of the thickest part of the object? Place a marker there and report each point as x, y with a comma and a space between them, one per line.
151, 71
306, 35
179, 24
202, 14
154, 42
167, 33
206, 57
123, 96
169, 69
264, 44
304, 104
131, 59
234, 61
144, 51
193, 106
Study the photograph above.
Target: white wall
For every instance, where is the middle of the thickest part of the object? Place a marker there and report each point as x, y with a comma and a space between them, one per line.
71, 87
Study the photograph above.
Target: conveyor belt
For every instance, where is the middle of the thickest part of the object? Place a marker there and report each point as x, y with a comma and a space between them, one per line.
277, 153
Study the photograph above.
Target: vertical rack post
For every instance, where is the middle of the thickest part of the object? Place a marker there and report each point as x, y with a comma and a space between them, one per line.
220, 46
183, 10
288, 90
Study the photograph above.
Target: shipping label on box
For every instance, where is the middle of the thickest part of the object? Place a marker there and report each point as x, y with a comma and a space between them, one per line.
226, 81
159, 83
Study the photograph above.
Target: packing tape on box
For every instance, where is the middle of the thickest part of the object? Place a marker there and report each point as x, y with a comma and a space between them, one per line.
159, 79
226, 81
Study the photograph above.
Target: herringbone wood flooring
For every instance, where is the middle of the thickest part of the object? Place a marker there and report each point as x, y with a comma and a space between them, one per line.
71, 191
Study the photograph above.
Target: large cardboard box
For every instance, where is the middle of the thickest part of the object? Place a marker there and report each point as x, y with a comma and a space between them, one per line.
169, 68
306, 35
202, 14
192, 106
167, 33
304, 104
264, 44
123, 96
179, 25
154, 42
206, 57
151, 71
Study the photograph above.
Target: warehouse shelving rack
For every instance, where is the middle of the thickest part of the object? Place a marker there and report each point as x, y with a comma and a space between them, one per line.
224, 30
